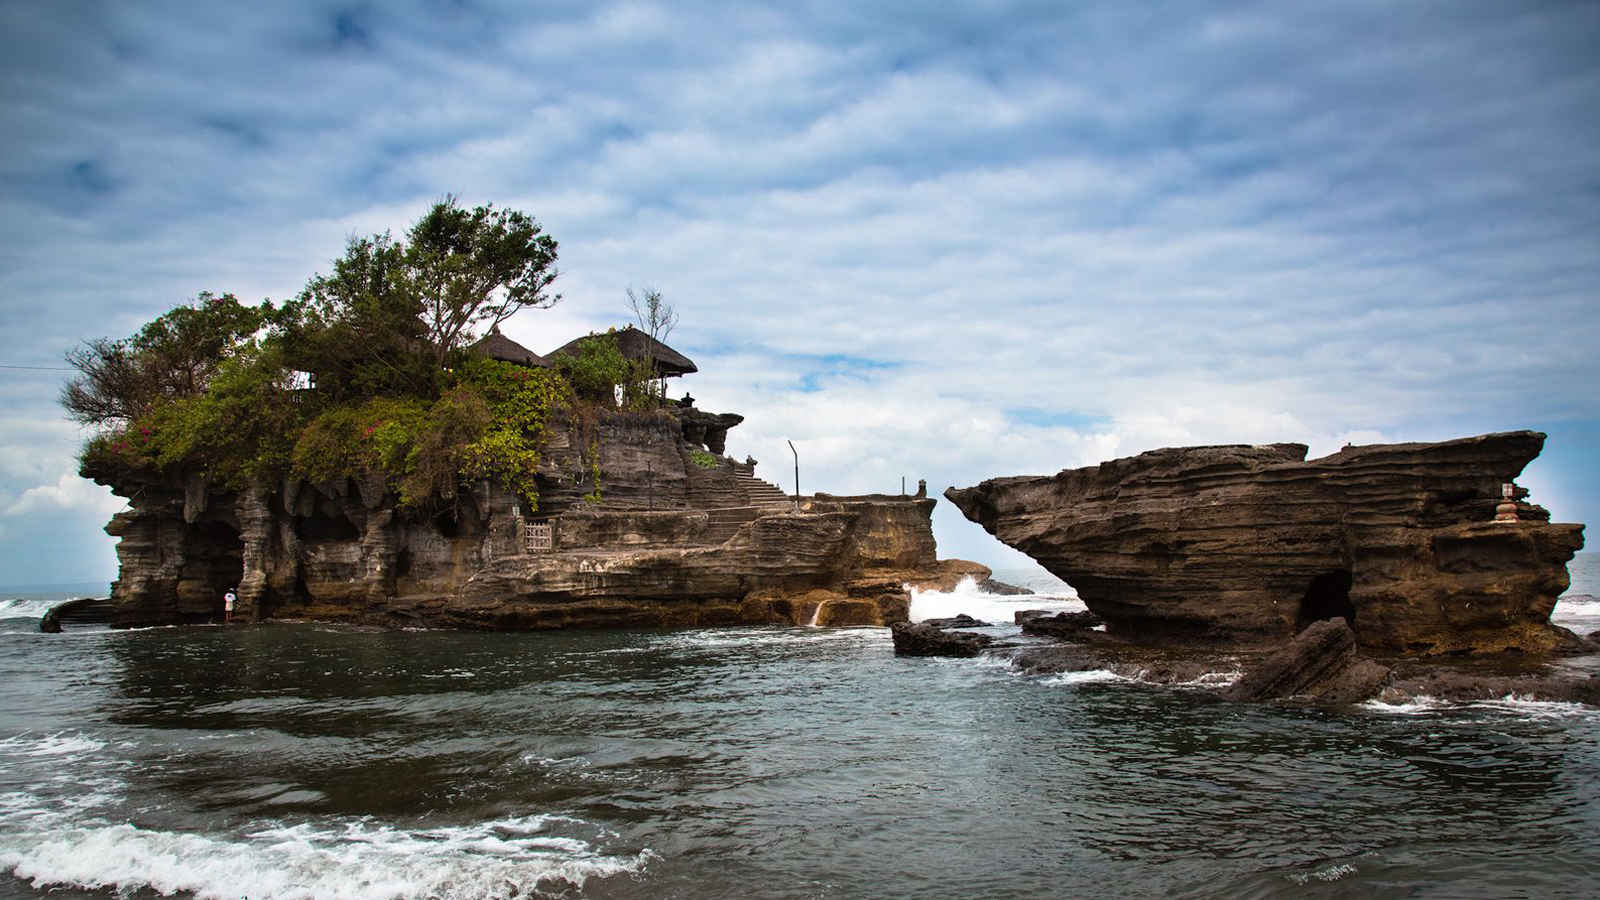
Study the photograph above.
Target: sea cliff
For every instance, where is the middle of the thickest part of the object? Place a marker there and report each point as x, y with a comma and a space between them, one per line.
638, 523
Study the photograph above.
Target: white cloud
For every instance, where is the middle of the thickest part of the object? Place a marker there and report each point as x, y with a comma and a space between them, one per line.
1218, 228
66, 493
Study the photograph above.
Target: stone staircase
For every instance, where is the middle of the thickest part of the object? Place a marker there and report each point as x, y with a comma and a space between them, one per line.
761, 493
731, 486
723, 523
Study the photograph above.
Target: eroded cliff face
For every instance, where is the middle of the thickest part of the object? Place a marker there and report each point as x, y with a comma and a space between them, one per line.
669, 541
1253, 543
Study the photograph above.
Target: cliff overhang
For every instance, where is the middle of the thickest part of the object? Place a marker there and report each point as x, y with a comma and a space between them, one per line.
1424, 548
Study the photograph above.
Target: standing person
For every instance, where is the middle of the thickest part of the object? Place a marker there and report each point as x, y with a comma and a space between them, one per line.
228, 600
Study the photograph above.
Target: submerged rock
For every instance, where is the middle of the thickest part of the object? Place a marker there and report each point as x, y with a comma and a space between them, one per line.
921, 639
1239, 545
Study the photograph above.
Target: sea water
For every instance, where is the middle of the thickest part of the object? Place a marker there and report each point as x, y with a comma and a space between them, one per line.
320, 762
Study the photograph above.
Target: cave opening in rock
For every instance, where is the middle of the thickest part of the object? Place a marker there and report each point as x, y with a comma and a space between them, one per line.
213, 565
326, 528
1328, 597
448, 525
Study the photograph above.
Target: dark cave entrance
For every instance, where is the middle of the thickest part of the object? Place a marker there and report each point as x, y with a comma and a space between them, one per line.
1328, 597
213, 566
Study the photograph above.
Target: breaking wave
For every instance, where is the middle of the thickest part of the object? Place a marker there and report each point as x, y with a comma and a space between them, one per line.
997, 609
355, 859
24, 608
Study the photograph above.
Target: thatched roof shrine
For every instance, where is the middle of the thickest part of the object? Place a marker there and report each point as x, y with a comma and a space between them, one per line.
636, 345
497, 346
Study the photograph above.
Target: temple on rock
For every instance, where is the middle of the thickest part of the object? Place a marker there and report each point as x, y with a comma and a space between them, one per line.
640, 520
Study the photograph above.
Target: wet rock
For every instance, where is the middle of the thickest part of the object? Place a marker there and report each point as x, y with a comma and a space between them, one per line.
1445, 684
1064, 625
50, 623
919, 639
959, 621
1238, 545
990, 586
1059, 658
1320, 663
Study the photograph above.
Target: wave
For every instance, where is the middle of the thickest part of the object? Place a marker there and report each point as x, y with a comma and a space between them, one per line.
998, 609
1510, 704
1085, 676
25, 608
354, 859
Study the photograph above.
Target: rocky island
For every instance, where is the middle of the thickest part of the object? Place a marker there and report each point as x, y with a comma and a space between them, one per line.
353, 456
1425, 549
1406, 569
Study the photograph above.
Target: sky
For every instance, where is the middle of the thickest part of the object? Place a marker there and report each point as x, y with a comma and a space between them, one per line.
921, 241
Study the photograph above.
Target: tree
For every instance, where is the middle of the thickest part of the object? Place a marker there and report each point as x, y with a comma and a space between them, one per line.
388, 318
474, 267
656, 319
360, 329
172, 357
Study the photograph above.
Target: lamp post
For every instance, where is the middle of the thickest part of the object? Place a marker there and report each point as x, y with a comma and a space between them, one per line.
796, 472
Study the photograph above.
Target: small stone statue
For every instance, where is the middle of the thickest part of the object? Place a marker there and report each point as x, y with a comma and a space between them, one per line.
1506, 511
922, 487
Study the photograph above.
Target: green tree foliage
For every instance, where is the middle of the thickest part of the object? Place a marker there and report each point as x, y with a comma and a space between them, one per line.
360, 329
596, 370
238, 430
172, 357
476, 267
210, 387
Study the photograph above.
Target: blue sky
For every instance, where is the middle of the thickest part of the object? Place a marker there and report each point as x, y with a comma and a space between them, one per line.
1005, 238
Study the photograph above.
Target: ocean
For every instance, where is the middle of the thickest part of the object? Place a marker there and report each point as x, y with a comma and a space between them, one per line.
306, 761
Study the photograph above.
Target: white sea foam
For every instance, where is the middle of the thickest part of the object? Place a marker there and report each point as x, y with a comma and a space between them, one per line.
1086, 676
1537, 709
1326, 873
60, 743
23, 608
353, 860
1507, 705
1410, 707
997, 609
1580, 613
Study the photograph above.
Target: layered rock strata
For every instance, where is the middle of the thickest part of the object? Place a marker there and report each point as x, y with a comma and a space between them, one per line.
1250, 544
659, 539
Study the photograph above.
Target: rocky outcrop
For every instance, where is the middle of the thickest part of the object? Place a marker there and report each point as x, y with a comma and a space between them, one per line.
922, 639
1250, 544
960, 620
1320, 664
631, 529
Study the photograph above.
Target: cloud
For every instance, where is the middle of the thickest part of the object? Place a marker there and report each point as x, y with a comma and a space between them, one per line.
957, 242
67, 493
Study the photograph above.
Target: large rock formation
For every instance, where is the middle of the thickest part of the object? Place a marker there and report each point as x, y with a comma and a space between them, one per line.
1253, 543
635, 526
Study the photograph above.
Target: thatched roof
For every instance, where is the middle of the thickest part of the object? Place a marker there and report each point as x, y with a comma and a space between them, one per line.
634, 345
497, 346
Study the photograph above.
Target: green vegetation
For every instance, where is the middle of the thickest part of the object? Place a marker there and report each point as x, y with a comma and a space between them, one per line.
703, 459
212, 386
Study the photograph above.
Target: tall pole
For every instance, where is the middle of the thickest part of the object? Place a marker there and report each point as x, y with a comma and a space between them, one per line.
796, 471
